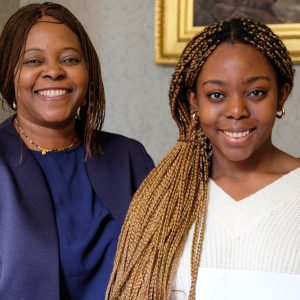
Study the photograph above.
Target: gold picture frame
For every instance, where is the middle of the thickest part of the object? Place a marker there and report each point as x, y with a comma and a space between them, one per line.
174, 28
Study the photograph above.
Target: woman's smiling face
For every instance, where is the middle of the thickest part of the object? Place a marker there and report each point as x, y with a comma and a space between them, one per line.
51, 80
237, 99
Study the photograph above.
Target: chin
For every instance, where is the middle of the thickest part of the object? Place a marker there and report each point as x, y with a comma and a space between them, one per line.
238, 156
57, 122
58, 117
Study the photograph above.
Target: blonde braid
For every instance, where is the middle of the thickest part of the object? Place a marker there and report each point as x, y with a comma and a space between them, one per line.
174, 196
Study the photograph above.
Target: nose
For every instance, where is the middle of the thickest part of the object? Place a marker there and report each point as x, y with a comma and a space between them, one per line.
54, 71
236, 108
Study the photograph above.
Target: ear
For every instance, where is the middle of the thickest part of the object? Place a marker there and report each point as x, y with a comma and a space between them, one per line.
283, 94
192, 97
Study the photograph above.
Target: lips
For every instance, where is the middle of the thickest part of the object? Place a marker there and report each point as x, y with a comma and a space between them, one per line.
237, 134
51, 93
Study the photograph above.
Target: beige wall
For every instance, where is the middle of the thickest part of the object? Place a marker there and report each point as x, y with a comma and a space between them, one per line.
136, 88
7, 8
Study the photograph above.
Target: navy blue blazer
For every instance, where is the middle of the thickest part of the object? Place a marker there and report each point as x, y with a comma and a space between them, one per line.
29, 257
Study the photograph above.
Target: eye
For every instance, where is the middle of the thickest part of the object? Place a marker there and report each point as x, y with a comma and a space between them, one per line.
216, 96
70, 60
257, 93
32, 62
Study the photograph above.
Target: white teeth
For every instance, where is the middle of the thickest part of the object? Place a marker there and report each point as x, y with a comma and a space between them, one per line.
52, 93
237, 135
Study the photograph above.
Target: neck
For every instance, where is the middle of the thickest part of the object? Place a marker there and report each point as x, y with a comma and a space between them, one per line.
259, 162
46, 139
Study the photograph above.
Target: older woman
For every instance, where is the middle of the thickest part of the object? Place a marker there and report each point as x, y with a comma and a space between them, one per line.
65, 184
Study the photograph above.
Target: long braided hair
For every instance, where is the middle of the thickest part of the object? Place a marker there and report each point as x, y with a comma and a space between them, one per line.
12, 46
174, 196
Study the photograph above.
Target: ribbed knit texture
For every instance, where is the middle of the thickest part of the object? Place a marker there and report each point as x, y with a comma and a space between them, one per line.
258, 233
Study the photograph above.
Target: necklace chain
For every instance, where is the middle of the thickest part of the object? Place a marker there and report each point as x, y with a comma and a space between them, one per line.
44, 151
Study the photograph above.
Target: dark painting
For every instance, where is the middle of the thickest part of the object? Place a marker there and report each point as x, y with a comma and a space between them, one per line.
265, 11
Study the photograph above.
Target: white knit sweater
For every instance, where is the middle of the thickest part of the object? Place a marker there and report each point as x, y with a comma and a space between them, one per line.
251, 247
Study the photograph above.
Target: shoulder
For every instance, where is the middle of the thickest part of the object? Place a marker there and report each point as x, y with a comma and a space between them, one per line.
118, 147
7, 124
108, 141
8, 138
118, 172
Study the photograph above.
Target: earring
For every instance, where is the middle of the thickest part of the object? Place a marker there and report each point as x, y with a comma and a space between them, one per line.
280, 114
195, 118
14, 105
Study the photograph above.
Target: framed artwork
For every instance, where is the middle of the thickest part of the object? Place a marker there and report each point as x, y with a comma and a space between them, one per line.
177, 21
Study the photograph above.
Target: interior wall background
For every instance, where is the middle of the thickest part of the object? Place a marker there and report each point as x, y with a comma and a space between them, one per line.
136, 89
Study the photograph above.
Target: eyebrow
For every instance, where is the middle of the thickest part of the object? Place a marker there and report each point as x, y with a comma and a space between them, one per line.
218, 82
52, 22
248, 80
63, 49
253, 79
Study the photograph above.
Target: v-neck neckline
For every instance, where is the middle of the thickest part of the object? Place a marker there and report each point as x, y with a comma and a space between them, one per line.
279, 181
239, 216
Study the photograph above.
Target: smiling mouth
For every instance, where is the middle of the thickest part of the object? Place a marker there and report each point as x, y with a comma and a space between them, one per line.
52, 93
237, 135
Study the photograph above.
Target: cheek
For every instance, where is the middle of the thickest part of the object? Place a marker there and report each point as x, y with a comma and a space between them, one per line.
209, 114
268, 119
24, 80
264, 113
82, 82
84, 89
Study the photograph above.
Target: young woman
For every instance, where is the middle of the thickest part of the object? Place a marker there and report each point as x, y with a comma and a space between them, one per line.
65, 184
219, 218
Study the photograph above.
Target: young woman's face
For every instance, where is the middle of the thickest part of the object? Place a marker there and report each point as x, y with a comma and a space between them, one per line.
237, 100
51, 81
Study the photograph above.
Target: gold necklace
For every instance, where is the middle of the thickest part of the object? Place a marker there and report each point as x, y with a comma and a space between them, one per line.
44, 151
